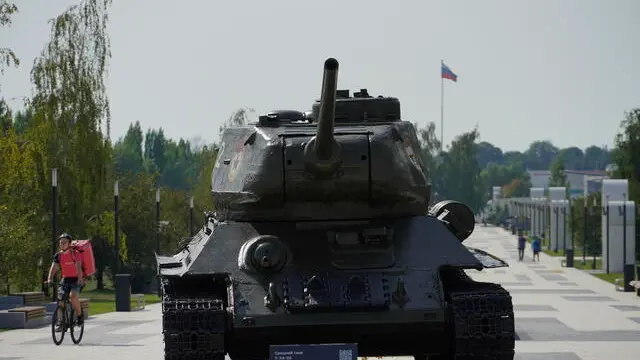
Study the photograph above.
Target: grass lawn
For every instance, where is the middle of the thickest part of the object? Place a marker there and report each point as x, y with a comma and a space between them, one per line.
610, 277
104, 301
577, 251
588, 265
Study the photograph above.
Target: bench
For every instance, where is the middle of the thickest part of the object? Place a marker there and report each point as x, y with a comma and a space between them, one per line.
32, 298
24, 317
636, 285
84, 304
140, 302
30, 312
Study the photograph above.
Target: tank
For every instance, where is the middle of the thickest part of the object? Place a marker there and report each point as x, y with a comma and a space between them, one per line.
322, 232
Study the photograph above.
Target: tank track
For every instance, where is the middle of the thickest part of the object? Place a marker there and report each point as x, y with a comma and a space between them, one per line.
193, 327
483, 321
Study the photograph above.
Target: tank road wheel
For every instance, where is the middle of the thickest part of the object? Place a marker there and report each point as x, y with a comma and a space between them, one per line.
483, 321
192, 327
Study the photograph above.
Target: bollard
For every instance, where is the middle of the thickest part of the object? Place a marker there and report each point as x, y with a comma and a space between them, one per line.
569, 260
638, 278
628, 275
123, 292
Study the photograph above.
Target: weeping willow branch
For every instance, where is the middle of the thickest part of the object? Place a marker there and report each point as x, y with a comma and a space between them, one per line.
7, 56
69, 75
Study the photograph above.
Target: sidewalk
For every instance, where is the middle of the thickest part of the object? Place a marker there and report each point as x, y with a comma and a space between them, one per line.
561, 314
561, 310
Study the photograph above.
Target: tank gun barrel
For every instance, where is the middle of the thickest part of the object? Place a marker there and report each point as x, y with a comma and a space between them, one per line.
322, 151
326, 114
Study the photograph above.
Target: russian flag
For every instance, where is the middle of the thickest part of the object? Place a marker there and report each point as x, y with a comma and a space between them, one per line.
446, 73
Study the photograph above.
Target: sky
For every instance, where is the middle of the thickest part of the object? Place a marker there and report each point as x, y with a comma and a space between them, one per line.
564, 71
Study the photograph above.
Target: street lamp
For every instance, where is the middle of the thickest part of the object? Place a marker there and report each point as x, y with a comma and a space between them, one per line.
116, 213
191, 216
54, 217
158, 234
605, 212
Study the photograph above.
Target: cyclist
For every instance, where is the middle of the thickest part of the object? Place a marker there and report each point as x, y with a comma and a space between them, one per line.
69, 262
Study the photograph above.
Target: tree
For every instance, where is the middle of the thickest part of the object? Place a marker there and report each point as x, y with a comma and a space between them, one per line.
557, 176
625, 154
540, 155
7, 56
6, 118
596, 158
70, 106
430, 147
154, 150
19, 218
572, 157
239, 117
128, 151
459, 174
488, 153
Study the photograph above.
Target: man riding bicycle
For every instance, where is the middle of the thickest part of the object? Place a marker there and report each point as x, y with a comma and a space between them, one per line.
69, 262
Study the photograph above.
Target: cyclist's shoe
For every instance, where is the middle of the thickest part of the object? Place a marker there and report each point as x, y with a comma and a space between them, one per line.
59, 328
80, 320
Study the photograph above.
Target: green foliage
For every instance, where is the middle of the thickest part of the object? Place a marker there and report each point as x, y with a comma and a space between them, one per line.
626, 153
239, 117
558, 177
7, 56
66, 125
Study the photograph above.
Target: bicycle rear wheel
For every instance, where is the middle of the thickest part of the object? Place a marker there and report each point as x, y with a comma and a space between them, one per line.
75, 337
55, 321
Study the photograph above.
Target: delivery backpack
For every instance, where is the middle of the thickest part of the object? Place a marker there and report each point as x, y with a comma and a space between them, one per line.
86, 252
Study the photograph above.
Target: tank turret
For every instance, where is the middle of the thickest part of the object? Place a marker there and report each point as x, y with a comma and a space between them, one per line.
350, 157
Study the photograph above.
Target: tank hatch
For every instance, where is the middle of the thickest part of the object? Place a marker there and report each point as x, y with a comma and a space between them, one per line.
277, 117
361, 108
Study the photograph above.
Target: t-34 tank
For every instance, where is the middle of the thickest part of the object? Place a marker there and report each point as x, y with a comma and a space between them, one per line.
321, 234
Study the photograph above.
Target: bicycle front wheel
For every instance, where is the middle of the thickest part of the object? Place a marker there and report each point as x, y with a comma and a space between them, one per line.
57, 323
76, 330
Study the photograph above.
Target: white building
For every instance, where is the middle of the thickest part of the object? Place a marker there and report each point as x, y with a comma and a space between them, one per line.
576, 180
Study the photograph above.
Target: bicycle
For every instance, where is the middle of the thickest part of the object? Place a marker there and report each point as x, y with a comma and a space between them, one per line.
69, 320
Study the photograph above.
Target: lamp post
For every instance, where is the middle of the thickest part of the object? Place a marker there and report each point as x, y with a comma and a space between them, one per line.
54, 217
627, 268
605, 212
593, 212
116, 196
191, 216
557, 237
584, 230
158, 235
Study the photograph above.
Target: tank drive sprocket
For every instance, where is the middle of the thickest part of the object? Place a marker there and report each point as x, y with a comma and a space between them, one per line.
483, 321
194, 325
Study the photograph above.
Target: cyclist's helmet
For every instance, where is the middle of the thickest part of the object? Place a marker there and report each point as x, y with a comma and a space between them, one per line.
66, 236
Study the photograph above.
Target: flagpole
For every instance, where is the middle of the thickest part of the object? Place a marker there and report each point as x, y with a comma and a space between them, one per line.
441, 106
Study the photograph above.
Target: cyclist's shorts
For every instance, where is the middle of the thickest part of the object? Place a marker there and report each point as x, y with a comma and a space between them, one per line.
71, 283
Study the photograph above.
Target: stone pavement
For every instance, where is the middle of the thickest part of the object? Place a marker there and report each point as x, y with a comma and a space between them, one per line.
561, 314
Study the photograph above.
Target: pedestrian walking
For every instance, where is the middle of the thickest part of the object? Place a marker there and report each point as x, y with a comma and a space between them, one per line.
536, 247
522, 242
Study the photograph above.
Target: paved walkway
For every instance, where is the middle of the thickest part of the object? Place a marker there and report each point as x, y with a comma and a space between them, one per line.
561, 314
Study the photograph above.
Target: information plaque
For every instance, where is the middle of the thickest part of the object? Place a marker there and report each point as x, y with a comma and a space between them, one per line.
314, 352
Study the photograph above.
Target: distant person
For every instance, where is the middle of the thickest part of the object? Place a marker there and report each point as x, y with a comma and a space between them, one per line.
522, 242
536, 247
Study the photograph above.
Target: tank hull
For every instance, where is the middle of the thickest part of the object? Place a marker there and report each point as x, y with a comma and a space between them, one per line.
373, 339
476, 322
